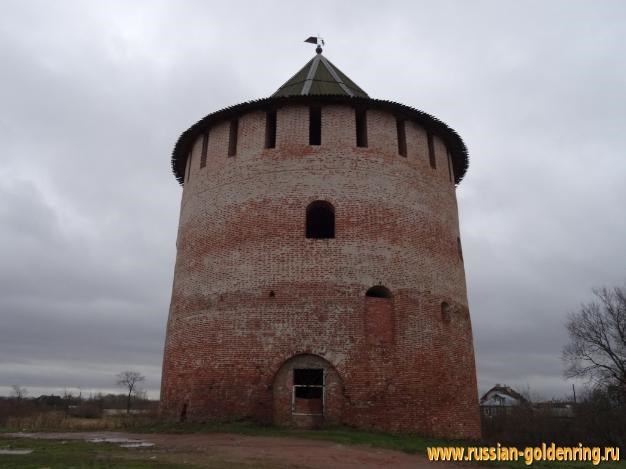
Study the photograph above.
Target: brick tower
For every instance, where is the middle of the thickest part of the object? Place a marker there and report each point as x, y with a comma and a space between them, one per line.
319, 275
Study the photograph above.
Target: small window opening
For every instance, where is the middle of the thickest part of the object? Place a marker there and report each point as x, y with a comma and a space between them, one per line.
315, 126
445, 312
378, 291
320, 220
308, 383
183, 413
431, 151
270, 129
401, 130
272, 294
450, 173
458, 244
232, 140
361, 127
189, 165
205, 146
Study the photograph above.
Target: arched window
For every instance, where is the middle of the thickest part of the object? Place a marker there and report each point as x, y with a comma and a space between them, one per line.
320, 220
378, 291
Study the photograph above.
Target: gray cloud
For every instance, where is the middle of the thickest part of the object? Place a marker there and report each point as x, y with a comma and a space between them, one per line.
95, 95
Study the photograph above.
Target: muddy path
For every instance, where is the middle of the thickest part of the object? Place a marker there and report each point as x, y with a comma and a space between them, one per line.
232, 450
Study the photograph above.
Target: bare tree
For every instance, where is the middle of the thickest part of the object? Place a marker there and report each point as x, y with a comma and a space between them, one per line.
18, 392
597, 348
130, 380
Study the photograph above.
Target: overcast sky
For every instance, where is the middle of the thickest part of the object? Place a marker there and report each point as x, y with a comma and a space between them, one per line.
93, 96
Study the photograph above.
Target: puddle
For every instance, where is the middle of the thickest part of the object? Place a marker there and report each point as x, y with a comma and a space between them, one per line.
141, 444
16, 451
123, 442
117, 439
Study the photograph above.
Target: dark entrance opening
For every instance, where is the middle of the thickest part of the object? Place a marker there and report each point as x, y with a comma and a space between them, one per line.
308, 391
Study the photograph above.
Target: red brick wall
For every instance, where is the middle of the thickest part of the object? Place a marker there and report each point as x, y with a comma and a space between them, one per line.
378, 321
399, 365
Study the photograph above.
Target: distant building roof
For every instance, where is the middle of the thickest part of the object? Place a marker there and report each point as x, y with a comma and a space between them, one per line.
503, 392
320, 77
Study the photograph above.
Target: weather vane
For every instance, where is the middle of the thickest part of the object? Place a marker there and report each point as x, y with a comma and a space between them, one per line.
316, 40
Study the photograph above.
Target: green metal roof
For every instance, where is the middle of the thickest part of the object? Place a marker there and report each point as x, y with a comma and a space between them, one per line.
319, 77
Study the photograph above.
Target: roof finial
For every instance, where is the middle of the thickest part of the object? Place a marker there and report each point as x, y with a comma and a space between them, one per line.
316, 40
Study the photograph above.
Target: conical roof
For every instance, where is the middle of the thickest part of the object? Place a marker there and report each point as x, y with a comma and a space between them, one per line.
320, 77
319, 81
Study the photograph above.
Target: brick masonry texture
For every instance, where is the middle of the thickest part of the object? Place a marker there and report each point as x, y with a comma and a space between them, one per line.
253, 298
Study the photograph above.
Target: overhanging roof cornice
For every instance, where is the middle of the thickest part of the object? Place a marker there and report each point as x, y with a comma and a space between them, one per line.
452, 140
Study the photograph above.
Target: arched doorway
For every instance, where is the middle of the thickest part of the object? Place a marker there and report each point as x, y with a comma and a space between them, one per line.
307, 392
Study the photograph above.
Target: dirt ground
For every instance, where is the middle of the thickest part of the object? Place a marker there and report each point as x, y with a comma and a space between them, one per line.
231, 450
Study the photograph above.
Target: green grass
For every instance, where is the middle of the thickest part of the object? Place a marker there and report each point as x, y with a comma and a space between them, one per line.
75, 454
